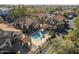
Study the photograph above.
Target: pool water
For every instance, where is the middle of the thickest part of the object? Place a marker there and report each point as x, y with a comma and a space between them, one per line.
37, 35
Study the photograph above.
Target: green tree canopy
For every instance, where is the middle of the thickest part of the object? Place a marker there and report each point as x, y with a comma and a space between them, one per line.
17, 12
1, 20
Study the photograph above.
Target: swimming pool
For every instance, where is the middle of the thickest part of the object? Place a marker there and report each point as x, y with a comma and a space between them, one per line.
37, 35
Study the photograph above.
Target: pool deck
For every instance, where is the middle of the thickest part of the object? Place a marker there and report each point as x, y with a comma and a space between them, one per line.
39, 42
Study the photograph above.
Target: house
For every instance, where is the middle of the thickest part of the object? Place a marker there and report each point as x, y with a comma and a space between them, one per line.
54, 20
26, 24
6, 14
42, 15
8, 37
59, 12
25, 39
59, 18
4, 11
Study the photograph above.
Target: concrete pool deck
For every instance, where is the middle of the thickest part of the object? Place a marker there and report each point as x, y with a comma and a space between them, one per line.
39, 42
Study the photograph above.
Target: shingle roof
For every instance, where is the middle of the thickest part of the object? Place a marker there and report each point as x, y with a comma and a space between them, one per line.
25, 20
41, 14
56, 17
59, 17
59, 12
25, 39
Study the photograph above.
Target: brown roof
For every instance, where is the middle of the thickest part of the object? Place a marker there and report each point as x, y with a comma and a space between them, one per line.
56, 17
25, 20
25, 39
59, 12
45, 26
41, 14
28, 21
59, 17
6, 27
51, 16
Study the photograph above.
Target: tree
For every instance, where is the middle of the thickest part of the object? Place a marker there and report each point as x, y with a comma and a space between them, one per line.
52, 33
17, 12
77, 22
59, 8
1, 20
61, 47
77, 43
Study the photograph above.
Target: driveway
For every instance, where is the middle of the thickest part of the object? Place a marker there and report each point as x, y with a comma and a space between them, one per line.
72, 24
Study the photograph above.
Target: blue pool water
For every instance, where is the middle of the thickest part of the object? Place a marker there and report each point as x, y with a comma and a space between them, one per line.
37, 35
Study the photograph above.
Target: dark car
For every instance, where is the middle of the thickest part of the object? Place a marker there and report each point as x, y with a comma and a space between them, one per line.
70, 16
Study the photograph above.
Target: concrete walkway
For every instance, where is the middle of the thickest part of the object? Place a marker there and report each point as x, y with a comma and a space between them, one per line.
72, 24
